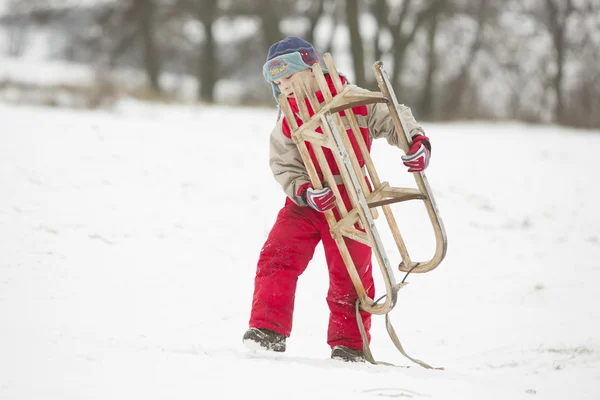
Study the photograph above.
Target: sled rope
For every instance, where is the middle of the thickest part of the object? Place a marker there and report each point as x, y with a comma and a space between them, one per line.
391, 331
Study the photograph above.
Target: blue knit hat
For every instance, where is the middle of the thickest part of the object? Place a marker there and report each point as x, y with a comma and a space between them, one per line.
287, 56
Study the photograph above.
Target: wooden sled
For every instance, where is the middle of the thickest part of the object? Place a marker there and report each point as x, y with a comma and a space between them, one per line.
365, 202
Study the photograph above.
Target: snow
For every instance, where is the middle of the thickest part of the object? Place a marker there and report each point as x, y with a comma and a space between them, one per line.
129, 239
46, 73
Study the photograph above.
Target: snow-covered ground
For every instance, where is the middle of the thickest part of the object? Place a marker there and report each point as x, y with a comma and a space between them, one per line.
129, 239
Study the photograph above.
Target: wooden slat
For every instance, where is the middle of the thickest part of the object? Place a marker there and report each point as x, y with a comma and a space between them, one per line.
363, 149
357, 235
314, 102
318, 71
325, 169
333, 73
352, 272
396, 195
398, 239
396, 200
353, 160
337, 104
301, 101
313, 137
288, 113
328, 175
396, 192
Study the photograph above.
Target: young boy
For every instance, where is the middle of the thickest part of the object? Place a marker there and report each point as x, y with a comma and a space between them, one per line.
301, 224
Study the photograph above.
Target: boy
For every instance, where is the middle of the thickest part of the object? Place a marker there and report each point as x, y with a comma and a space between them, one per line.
301, 224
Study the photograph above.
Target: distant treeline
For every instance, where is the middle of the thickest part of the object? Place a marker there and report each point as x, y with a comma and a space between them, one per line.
528, 60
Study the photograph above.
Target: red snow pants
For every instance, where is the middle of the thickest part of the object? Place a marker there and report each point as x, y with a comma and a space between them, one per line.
284, 257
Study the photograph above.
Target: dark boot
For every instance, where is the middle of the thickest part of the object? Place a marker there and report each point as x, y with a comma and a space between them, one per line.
264, 339
347, 354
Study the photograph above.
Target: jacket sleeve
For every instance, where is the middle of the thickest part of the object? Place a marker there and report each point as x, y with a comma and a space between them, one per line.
381, 124
286, 164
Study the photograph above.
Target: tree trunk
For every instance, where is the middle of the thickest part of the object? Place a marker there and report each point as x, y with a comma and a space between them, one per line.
401, 40
557, 23
455, 91
269, 22
558, 77
427, 109
331, 37
357, 50
208, 63
380, 12
17, 36
313, 19
146, 10
399, 51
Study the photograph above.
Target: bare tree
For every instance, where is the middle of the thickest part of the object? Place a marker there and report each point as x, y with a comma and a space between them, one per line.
557, 15
209, 62
426, 104
144, 11
125, 25
534, 60
206, 12
356, 44
17, 38
270, 20
313, 14
455, 90
330, 9
403, 22
581, 90
20, 13
379, 9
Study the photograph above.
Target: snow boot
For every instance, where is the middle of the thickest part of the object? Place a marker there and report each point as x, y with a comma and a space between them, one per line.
264, 339
347, 354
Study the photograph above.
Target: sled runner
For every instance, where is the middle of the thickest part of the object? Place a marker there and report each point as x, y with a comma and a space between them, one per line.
365, 202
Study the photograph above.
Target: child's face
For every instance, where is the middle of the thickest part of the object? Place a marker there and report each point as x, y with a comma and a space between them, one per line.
286, 83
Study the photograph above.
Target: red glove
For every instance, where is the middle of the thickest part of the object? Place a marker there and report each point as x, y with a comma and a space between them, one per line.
417, 158
318, 199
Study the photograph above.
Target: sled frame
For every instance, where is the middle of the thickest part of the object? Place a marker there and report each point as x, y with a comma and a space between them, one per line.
365, 202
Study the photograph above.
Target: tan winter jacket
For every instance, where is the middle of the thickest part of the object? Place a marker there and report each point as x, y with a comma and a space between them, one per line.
286, 162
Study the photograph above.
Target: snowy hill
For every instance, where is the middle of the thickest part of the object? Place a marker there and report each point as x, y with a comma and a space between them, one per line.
129, 239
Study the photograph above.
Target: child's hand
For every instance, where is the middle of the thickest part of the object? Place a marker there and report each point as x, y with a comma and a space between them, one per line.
417, 158
319, 199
